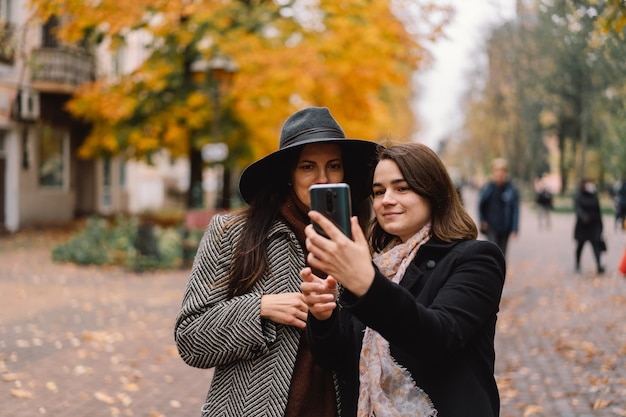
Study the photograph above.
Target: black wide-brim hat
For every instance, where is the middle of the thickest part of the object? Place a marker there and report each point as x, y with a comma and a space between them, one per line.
310, 125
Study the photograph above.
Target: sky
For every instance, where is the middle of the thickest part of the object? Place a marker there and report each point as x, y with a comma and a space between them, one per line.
443, 85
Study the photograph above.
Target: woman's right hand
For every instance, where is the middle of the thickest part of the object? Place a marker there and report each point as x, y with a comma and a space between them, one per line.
319, 294
285, 308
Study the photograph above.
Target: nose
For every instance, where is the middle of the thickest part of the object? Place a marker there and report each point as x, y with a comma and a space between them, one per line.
388, 198
322, 177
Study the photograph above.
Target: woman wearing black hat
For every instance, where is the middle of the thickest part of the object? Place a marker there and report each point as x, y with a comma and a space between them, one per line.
243, 312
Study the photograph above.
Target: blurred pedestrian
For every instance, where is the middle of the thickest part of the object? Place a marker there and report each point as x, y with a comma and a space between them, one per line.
588, 225
544, 206
243, 312
417, 325
498, 206
620, 206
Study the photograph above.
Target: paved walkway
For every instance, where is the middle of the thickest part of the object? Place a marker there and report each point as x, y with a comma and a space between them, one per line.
97, 342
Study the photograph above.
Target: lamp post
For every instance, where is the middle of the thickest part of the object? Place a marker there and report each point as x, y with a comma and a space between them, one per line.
221, 70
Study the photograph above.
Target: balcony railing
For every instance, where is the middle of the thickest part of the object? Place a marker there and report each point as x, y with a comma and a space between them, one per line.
61, 69
7, 43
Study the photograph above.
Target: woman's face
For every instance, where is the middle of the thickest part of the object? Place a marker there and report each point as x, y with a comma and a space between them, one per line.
318, 164
399, 210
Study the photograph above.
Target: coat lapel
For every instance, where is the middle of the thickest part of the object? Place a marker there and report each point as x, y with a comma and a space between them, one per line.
425, 261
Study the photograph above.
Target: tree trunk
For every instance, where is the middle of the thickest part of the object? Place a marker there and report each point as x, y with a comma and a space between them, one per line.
195, 193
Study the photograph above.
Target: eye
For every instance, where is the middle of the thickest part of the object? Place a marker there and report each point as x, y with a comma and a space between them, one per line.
335, 165
306, 167
378, 192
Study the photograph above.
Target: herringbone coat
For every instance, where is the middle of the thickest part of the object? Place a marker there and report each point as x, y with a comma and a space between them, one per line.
253, 358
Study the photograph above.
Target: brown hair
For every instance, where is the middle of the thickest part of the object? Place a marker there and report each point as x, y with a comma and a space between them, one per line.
426, 174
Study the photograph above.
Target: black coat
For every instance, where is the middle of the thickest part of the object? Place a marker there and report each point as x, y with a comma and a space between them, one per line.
440, 323
588, 217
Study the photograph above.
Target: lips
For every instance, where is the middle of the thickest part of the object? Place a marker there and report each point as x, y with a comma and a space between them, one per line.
391, 214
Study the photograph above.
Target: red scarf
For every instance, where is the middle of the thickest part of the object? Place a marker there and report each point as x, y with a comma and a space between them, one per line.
312, 391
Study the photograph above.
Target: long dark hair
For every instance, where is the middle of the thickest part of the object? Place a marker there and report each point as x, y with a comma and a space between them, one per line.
250, 260
426, 174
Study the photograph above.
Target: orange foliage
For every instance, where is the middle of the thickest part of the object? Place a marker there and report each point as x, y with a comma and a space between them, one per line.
354, 56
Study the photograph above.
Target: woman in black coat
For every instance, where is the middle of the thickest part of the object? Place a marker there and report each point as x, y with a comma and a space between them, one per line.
588, 222
414, 331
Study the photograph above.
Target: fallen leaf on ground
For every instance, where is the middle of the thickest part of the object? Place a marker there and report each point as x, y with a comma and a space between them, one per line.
10, 377
21, 393
532, 409
104, 397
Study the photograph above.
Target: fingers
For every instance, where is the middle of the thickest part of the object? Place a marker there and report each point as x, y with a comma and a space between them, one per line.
319, 294
332, 231
357, 232
285, 308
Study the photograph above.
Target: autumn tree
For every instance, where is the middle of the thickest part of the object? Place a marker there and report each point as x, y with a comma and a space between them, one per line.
561, 72
356, 57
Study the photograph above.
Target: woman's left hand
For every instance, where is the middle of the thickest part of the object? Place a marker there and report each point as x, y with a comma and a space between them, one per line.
319, 294
348, 261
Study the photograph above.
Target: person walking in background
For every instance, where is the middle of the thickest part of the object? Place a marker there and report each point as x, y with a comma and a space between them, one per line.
544, 206
620, 206
243, 312
588, 225
499, 206
418, 324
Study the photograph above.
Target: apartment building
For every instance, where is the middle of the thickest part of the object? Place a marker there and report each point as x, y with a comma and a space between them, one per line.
42, 179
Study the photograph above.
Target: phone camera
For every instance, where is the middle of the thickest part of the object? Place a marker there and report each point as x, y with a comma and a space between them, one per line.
329, 201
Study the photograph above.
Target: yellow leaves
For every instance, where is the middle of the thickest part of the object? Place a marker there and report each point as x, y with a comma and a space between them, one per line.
613, 18
358, 52
100, 141
154, 76
531, 410
11, 377
174, 133
110, 144
131, 386
196, 100
99, 101
104, 397
146, 145
601, 403
21, 393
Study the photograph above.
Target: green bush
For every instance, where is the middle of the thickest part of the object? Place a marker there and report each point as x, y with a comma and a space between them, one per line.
118, 242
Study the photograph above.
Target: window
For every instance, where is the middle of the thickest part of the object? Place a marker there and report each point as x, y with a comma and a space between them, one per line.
5, 10
48, 38
106, 183
122, 172
53, 154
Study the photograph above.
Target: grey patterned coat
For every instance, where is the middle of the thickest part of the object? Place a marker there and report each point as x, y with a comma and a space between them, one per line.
253, 358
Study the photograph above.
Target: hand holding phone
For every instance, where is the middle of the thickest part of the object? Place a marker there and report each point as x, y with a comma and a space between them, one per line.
334, 202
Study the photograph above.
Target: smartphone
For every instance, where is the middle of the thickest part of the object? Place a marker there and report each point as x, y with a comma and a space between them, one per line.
334, 202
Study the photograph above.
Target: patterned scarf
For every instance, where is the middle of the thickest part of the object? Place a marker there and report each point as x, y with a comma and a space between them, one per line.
386, 388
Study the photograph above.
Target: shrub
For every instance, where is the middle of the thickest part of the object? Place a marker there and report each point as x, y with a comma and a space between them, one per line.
118, 242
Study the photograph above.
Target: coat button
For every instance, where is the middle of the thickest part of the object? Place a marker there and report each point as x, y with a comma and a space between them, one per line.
431, 264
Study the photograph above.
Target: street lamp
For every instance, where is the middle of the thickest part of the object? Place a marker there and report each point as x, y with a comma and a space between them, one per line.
221, 71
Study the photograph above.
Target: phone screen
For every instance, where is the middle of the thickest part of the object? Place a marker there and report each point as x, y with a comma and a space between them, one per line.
333, 201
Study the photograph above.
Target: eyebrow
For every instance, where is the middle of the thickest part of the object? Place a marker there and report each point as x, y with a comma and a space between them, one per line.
315, 162
377, 184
